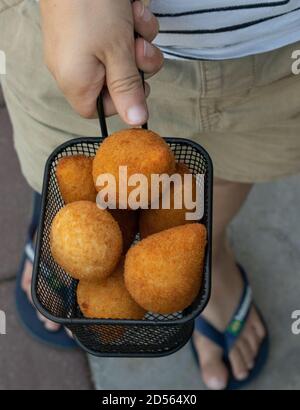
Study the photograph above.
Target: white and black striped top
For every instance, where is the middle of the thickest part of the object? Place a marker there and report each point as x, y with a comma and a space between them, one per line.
221, 29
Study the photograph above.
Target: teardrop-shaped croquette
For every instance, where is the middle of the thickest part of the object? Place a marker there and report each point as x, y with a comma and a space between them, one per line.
141, 151
163, 273
86, 241
108, 299
156, 220
75, 179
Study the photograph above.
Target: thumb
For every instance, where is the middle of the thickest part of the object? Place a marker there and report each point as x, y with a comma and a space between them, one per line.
126, 88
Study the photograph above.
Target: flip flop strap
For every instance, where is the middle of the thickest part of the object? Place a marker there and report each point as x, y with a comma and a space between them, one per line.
241, 314
227, 339
207, 329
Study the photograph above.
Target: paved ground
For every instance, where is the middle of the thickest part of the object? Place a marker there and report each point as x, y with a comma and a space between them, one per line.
266, 238
25, 364
267, 241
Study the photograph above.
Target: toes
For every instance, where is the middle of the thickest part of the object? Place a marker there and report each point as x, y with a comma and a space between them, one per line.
51, 326
247, 353
26, 286
214, 371
238, 364
26, 276
252, 339
254, 332
242, 357
258, 325
29, 295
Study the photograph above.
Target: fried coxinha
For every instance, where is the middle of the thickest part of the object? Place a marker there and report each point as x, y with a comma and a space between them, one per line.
163, 272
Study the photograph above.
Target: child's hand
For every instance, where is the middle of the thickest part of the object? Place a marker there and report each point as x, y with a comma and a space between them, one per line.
91, 42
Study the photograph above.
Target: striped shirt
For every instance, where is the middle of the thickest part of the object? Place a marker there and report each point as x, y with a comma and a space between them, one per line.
222, 29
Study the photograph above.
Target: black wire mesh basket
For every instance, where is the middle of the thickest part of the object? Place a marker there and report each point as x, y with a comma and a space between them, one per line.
54, 291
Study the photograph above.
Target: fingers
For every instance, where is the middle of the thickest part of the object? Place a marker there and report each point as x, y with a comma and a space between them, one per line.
148, 57
91, 56
51, 326
109, 106
125, 85
81, 82
145, 23
126, 94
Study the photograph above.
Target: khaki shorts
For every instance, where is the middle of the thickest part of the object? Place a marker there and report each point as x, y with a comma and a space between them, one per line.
245, 112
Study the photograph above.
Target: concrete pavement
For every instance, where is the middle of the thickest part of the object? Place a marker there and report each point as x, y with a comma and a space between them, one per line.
25, 363
266, 237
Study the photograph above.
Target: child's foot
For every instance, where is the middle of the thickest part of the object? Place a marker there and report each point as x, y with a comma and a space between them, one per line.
26, 286
226, 293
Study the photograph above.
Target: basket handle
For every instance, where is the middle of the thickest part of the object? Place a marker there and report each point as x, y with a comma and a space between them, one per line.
100, 106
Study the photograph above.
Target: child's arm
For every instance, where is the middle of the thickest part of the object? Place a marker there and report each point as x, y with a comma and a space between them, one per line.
86, 40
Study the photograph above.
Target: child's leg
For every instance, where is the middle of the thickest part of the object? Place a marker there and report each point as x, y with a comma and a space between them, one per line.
226, 291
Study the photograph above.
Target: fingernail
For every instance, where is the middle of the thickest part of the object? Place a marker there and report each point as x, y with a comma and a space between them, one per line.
149, 50
242, 376
216, 384
147, 15
136, 115
140, 6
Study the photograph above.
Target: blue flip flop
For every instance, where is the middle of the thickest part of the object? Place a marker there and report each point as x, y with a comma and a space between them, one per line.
227, 339
26, 311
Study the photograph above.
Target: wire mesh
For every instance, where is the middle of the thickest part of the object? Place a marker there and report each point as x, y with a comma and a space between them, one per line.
54, 291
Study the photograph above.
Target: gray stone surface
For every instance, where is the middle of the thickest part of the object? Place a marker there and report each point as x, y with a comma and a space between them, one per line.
266, 236
1, 99
29, 365
15, 203
25, 363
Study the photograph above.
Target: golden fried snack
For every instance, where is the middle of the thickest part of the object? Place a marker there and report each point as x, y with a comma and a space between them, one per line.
142, 151
129, 224
163, 273
86, 241
75, 179
108, 298
157, 220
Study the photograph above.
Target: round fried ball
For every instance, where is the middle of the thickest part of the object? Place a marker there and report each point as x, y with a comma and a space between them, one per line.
156, 220
163, 273
142, 151
86, 241
108, 298
75, 179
